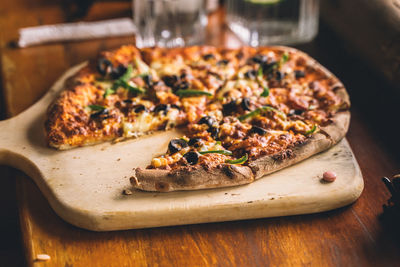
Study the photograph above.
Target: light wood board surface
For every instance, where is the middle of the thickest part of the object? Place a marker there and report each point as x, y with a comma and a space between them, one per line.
84, 185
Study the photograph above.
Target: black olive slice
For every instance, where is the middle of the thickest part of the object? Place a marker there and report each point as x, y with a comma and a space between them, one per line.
191, 157
296, 112
176, 107
299, 74
279, 75
260, 59
140, 108
269, 67
246, 103
258, 130
127, 101
208, 120
170, 80
183, 85
251, 74
161, 107
118, 71
104, 66
148, 79
229, 107
103, 114
214, 131
196, 142
176, 145
223, 62
208, 56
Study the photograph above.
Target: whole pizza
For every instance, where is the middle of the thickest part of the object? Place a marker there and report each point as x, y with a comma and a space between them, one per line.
244, 112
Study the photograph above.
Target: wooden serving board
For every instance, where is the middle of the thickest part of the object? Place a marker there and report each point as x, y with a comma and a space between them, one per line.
84, 185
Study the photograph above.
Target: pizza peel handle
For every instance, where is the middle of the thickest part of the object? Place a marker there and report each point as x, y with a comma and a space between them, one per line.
22, 138
15, 144
10, 150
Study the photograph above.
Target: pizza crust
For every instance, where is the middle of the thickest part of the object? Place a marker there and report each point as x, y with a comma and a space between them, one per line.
223, 175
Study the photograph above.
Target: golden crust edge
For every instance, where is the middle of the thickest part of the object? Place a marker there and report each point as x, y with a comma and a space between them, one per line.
166, 181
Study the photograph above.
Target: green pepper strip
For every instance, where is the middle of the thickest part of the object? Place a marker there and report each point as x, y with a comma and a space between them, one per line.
108, 92
265, 93
284, 59
238, 161
257, 112
96, 107
127, 75
124, 84
223, 152
260, 72
189, 92
312, 130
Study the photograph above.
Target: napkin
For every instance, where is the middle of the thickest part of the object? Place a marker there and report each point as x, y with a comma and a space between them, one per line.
75, 31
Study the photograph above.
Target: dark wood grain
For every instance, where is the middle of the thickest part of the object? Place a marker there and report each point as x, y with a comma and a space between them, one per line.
372, 28
350, 236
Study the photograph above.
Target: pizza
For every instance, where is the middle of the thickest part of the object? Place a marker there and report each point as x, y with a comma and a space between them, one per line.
244, 112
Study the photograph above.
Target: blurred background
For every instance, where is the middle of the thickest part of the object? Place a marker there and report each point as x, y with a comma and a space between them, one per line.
358, 40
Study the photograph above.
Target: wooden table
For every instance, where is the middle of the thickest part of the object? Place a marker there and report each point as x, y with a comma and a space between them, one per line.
350, 236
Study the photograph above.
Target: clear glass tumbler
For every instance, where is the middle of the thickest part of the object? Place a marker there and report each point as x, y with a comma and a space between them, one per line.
265, 22
169, 23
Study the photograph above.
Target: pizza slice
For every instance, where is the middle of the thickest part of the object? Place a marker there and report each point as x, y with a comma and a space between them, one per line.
118, 96
280, 108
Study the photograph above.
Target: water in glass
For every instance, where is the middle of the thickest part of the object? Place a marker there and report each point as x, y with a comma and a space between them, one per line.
169, 23
264, 22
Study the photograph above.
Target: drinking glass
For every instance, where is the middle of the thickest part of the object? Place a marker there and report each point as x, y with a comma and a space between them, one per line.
169, 23
265, 22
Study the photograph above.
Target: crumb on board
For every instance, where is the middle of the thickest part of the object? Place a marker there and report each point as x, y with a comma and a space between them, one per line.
127, 192
329, 176
42, 257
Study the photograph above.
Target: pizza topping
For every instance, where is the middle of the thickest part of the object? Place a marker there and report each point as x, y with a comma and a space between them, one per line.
214, 132
196, 142
188, 93
127, 74
260, 59
230, 107
140, 108
259, 111
161, 107
265, 93
208, 56
246, 103
299, 74
207, 120
223, 152
102, 114
104, 66
108, 92
176, 145
312, 130
97, 107
258, 130
238, 161
191, 157
118, 71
